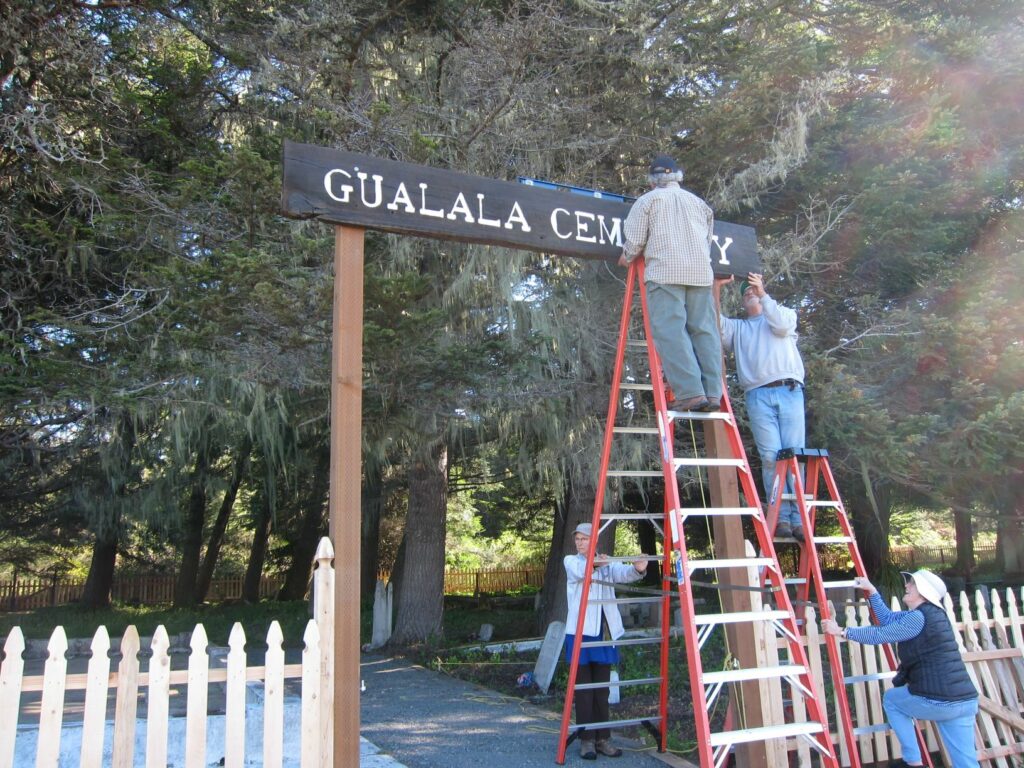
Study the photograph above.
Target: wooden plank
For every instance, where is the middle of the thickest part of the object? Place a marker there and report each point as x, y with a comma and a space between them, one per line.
273, 699
815, 648
158, 705
1007, 715
874, 696
78, 682
94, 714
861, 713
51, 710
127, 700
990, 732
11, 672
364, 191
311, 692
234, 700
196, 704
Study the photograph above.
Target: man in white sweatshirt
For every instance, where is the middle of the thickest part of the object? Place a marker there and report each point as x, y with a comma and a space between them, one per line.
771, 373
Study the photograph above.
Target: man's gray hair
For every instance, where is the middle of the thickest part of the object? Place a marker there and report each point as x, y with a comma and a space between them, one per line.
661, 179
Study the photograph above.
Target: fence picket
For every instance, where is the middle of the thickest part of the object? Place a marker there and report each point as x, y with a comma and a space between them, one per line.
234, 700
311, 685
198, 694
127, 701
273, 699
323, 609
51, 710
96, 692
158, 694
11, 671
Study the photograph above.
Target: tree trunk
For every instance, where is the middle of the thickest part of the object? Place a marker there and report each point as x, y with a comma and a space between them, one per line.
98, 583
1010, 531
420, 609
373, 504
192, 536
964, 543
257, 553
296, 580
220, 525
572, 510
870, 510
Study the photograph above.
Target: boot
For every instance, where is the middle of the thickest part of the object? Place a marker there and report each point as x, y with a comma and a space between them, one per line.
605, 747
587, 750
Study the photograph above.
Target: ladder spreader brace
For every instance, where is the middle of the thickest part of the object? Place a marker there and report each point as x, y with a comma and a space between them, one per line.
804, 487
678, 568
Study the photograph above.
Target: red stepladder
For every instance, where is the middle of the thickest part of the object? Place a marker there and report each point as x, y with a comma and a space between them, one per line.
804, 477
678, 564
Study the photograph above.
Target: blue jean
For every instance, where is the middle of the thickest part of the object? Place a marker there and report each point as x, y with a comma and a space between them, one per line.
777, 420
955, 721
684, 324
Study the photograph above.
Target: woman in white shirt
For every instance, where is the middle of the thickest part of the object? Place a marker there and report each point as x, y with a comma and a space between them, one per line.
595, 663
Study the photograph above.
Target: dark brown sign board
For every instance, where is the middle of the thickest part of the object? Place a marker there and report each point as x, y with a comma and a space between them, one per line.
360, 190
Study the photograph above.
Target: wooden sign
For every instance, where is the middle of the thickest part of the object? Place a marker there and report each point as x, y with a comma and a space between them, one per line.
360, 190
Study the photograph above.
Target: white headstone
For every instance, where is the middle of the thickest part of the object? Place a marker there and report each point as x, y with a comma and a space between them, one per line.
486, 632
381, 615
550, 651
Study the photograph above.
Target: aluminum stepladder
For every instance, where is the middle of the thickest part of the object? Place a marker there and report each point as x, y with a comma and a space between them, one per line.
678, 567
817, 479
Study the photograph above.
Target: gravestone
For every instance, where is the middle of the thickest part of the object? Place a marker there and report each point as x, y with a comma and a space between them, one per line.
550, 652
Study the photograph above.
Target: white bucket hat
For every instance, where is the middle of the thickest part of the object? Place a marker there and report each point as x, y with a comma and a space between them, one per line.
931, 587
585, 528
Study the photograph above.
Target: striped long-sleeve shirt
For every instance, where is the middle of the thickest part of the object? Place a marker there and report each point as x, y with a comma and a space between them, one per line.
893, 626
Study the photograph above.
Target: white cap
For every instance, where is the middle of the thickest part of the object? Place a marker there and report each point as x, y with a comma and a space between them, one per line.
931, 587
585, 528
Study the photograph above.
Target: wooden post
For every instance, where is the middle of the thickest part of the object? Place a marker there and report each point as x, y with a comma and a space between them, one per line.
346, 479
730, 543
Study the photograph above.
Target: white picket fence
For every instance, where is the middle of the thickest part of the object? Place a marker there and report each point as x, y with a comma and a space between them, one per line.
157, 683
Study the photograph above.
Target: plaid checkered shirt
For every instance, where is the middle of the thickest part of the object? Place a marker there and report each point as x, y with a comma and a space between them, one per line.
672, 228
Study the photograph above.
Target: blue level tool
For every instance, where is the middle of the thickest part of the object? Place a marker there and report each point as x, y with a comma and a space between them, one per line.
575, 190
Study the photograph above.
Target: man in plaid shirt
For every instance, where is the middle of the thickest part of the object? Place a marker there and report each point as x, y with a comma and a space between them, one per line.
671, 228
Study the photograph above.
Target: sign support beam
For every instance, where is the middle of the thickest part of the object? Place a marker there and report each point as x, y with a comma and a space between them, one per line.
346, 485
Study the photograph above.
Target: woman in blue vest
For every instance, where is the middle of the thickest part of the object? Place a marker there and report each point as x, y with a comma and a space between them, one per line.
931, 682
602, 617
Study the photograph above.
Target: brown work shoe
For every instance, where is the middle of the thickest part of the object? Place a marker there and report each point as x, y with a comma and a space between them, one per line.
606, 748
713, 404
587, 751
689, 404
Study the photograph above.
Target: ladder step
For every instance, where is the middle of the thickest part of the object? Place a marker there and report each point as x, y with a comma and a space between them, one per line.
701, 415
635, 430
871, 678
734, 562
715, 511
727, 738
634, 516
621, 641
820, 504
625, 601
849, 584
631, 558
864, 730
634, 473
794, 581
758, 673
633, 385
738, 463
832, 539
736, 618
614, 723
624, 683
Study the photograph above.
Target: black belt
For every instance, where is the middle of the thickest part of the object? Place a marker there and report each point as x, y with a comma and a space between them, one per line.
791, 383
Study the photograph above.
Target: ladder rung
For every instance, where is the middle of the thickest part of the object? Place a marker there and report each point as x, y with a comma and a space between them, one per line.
631, 558
621, 641
717, 511
634, 516
833, 539
747, 735
634, 473
635, 430
635, 681
873, 677
736, 618
864, 730
792, 497
701, 415
739, 463
625, 601
794, 581
636, 343
734, 562
632, 385
757, 673
613, 723
838, 584
823, 503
